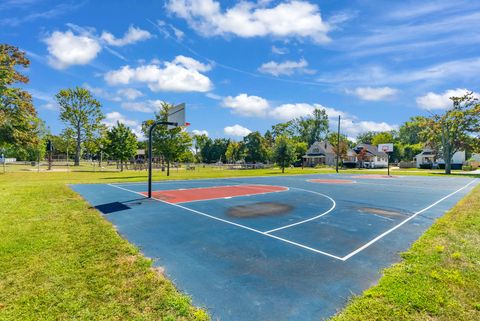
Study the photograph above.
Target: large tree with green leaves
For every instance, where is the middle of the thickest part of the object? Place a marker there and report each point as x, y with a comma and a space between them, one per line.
455, 129
312, 129
235, 151
255, 148
121, 143
81, 112
18, 117
171, 144
284, 152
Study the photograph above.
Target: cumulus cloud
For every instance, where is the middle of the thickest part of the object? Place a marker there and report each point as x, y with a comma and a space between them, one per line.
441, 101
350, 124
297, 19
132, 35
288, 68
279, 50
130, 93
148, 106
199, 132
246, 105
183, 74
374, 93
112, 118
236, 130
66, 49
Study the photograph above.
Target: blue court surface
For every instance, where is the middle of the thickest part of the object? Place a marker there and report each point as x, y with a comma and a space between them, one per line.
295, 254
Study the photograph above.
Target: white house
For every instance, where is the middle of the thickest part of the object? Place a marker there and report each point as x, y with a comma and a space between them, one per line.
322, 153
428, 158
368, 156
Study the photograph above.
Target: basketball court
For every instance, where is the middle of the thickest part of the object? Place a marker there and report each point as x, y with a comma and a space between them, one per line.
280, 247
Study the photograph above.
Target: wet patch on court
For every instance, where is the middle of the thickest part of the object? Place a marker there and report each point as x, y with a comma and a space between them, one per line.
259, 209
382, 212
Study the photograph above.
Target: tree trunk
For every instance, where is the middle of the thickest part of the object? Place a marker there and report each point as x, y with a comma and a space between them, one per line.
121, 165
283, 167
78, 148
168, 167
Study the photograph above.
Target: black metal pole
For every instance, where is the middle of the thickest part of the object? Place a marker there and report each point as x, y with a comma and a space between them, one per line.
150, 132
388, 164
338, 143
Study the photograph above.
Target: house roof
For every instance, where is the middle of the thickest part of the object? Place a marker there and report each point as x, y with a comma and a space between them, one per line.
371, 149
320, 148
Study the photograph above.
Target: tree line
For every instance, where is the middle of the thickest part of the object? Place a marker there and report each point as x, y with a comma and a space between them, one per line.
24, 135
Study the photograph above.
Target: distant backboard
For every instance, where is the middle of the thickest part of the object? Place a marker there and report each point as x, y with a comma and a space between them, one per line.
386, 148
177, 115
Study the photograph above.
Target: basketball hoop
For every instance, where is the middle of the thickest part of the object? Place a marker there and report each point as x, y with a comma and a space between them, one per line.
385, 149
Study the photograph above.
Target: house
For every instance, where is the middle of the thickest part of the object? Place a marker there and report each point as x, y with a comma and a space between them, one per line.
368, 156
428, 159
322, 153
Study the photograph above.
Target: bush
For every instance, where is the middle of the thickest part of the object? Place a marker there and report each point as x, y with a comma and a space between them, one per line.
467, 168
426, 166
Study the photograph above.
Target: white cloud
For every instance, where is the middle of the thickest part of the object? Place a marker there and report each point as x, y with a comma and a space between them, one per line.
200, 132
214, 96
298, 19
441, 101
66, 49
236, 130
350, 125
374, 93
191, 63
285, 68
130, 93
288, 112
148, 106
180, 75
133, 35
247, 105
112, 118
279, 50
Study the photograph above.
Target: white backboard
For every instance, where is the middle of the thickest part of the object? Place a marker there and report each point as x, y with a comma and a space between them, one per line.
177, 115
387, 148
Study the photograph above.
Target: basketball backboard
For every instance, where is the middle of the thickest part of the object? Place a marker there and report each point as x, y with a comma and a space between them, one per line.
386, 148
177, 115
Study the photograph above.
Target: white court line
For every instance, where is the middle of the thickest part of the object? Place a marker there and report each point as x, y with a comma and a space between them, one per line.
363, 247
310, 219
235, 224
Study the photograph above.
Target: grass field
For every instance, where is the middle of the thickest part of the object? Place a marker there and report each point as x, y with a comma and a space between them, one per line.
59, 259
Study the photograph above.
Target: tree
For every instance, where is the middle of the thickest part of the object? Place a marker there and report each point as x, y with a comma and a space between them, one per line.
199, 142
169, 143
312, 129
18, 117
122, 143
80, 112
284, 152
382, 138
280, 129
342, 149
255, 148
410, 132
366, 138
234, 151
454, 130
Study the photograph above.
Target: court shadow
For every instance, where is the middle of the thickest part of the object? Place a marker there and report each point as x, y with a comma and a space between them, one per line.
113, 207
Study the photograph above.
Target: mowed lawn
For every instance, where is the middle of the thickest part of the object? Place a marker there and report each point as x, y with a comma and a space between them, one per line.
59, 259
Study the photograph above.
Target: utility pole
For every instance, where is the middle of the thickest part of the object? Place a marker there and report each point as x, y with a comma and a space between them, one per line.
338, 144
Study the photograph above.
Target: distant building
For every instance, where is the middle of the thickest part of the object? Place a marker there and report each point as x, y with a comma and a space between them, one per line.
322, 153
368, 156
428, 159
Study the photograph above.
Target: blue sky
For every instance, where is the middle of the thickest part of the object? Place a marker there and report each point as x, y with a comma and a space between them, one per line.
244, 66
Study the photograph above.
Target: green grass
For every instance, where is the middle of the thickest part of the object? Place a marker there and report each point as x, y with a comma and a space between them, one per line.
59, 259
438, 278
